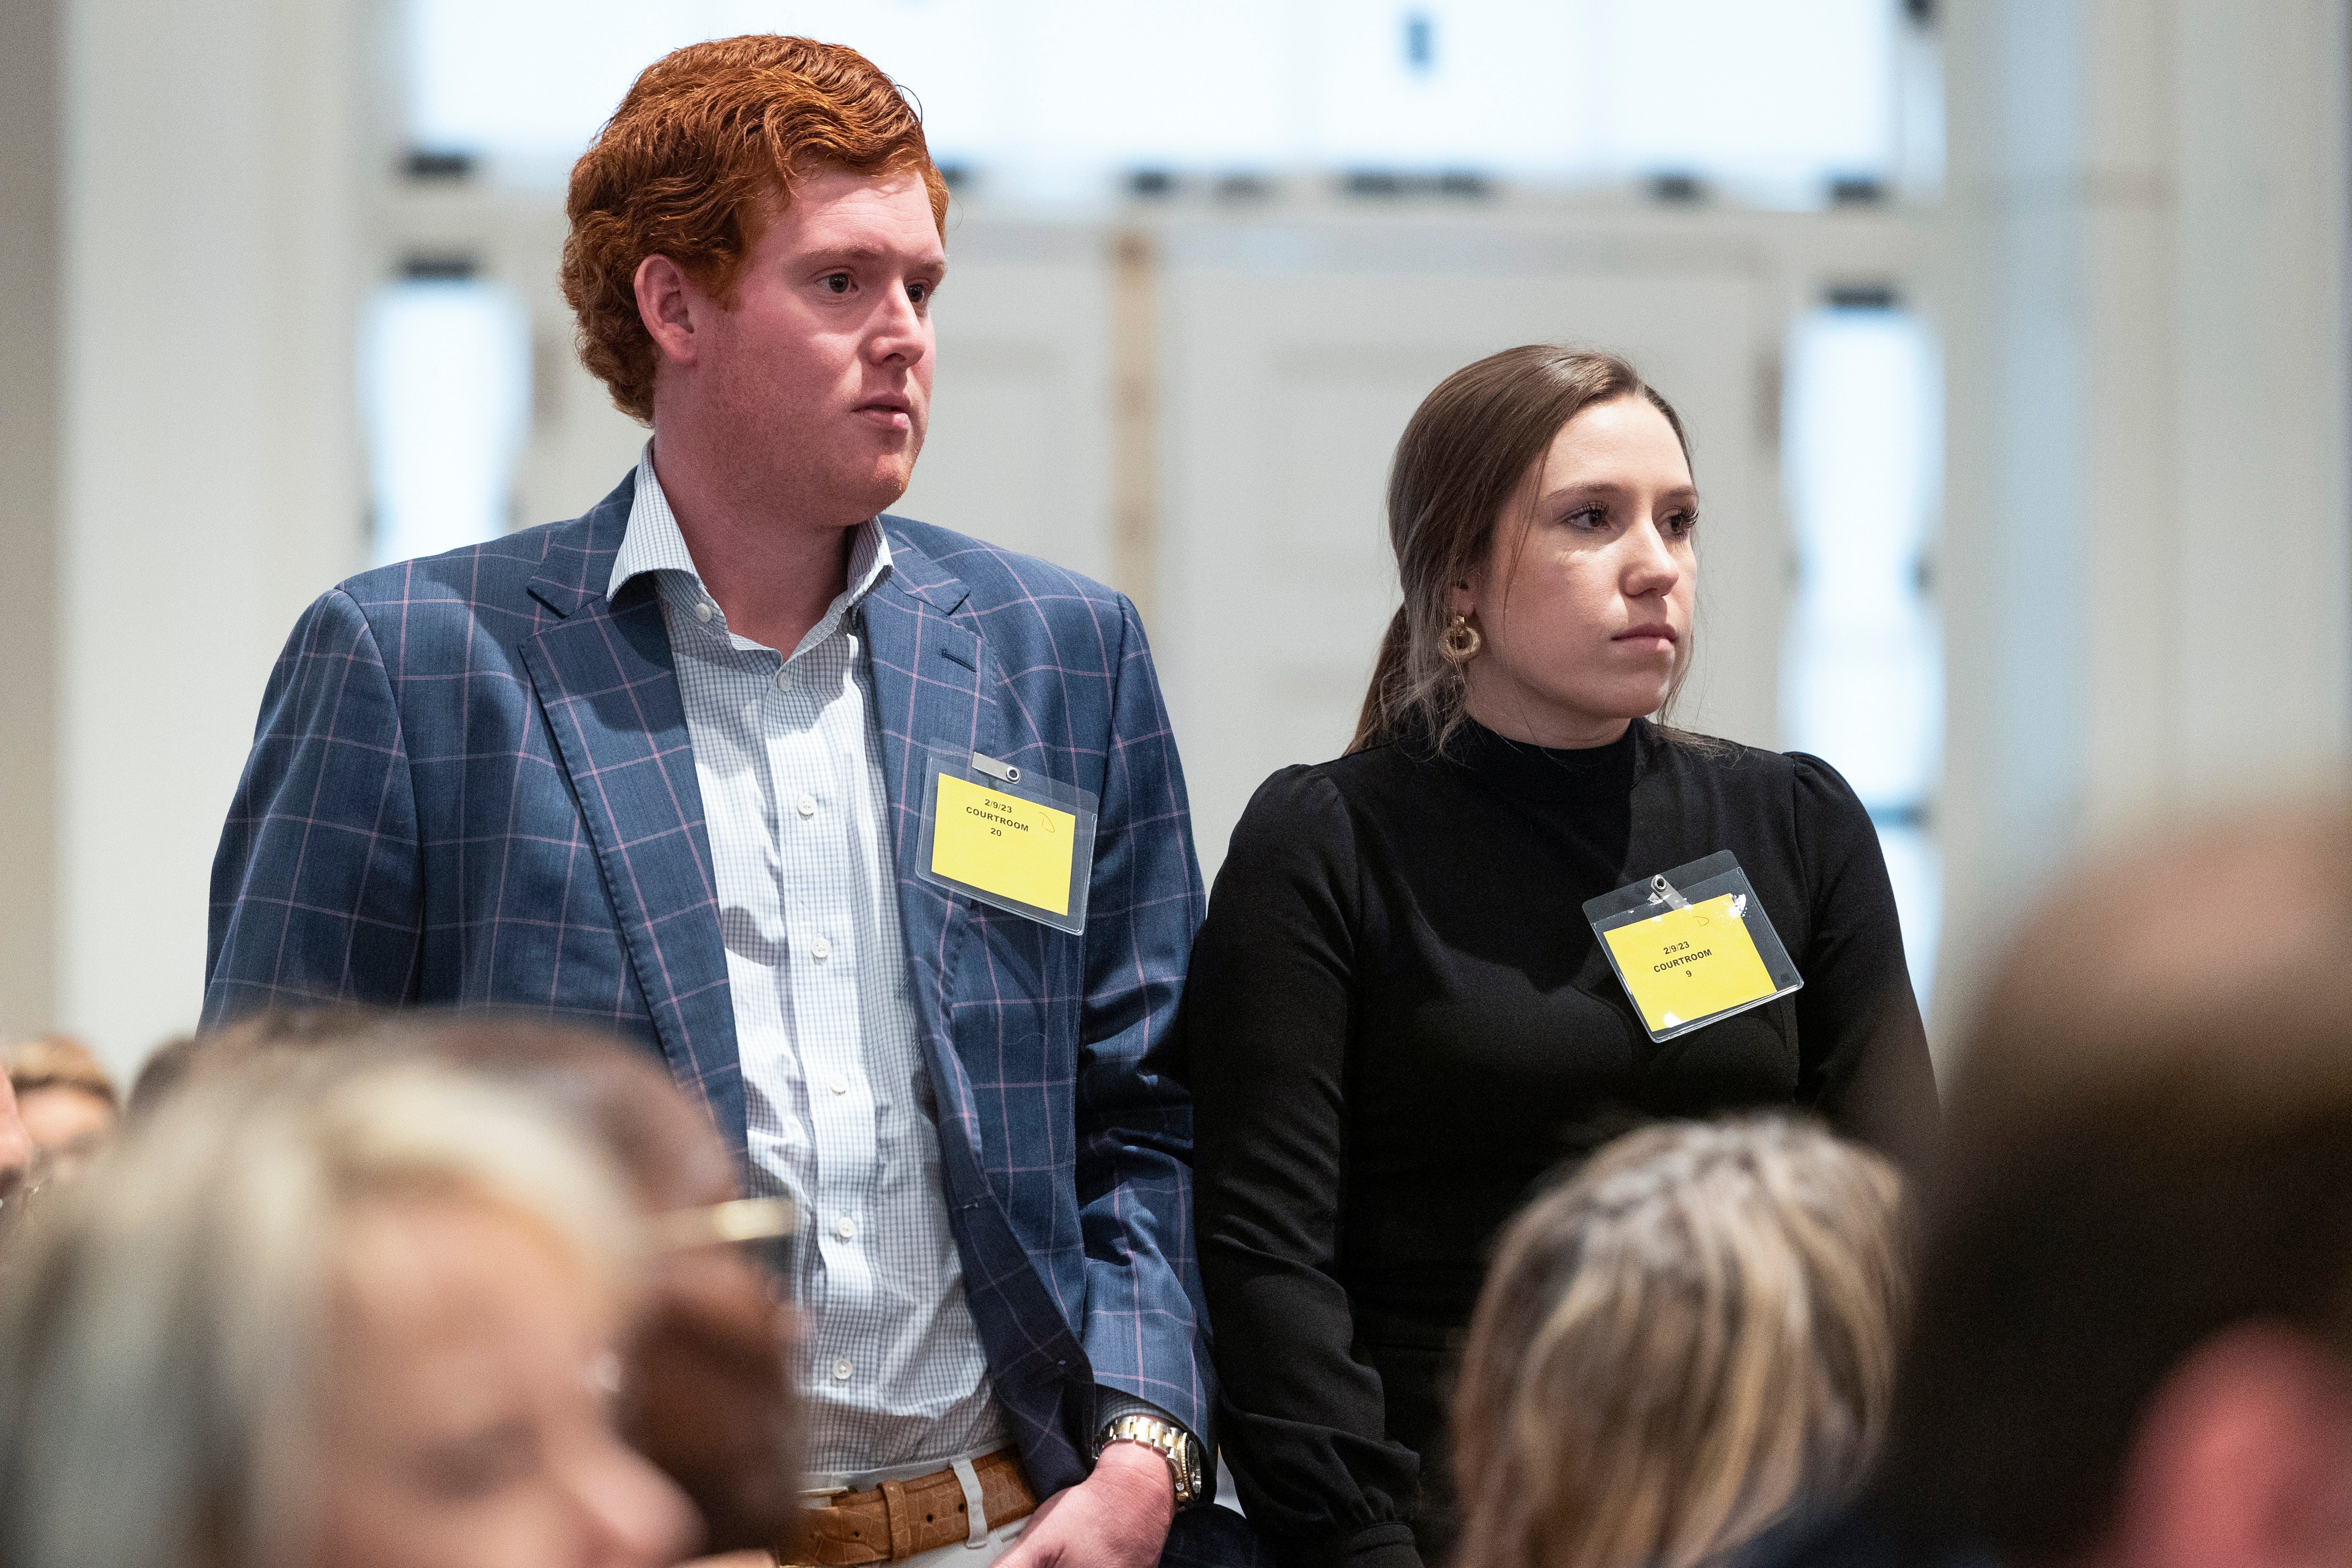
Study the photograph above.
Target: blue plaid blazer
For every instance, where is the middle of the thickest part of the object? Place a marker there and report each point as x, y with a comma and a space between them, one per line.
471, 785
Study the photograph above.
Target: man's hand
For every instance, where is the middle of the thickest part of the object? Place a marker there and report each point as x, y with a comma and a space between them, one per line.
1115, 1518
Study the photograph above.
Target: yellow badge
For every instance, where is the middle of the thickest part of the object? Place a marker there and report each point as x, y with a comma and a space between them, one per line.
1002, 844
1684, 964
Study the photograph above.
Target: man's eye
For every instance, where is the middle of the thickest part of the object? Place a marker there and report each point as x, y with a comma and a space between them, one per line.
838, 282
919, 292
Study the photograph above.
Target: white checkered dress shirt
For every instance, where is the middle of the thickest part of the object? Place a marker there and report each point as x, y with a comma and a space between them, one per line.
839, 1102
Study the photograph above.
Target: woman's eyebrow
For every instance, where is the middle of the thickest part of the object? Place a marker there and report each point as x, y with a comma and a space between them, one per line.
1611, 489
1599, 489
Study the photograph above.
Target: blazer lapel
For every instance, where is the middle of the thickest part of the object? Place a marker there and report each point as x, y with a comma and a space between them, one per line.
929, 690
608, 685
925, 669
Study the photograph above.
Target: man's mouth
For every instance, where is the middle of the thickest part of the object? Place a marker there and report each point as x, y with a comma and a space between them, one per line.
891, 412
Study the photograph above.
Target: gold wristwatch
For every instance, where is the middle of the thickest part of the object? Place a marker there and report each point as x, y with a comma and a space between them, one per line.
1182, 1451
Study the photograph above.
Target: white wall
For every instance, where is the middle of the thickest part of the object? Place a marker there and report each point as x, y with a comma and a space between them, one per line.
209, 481
29, 276
1298, 351
2148, 564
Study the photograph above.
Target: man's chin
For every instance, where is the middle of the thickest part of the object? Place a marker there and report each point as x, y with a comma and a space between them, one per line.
880, 490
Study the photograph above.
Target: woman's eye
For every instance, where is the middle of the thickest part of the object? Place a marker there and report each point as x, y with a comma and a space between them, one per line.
1682, 522
1591, 517
837, 282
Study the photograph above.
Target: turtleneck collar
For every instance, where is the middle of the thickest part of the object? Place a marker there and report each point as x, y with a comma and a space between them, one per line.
1548, 773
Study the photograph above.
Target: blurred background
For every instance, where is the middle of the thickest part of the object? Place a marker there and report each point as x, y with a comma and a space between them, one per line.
2011, 335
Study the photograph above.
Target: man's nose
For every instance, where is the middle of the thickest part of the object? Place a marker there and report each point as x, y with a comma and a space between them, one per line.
898, 330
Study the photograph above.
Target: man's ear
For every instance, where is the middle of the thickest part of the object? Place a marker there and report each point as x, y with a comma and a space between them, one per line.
670, 305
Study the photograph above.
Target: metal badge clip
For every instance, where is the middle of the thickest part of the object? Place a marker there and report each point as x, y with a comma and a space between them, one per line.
1663, 892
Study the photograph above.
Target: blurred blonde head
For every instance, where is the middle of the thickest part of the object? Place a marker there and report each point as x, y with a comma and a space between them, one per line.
65, 1101
1693, 1338
57, 1062
165, 1324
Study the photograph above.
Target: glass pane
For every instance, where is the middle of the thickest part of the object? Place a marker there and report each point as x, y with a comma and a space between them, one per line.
1863, 679
467, 94
1493, 86
1862, 673
445, 393
1775, 98
1916, 867
1055, 97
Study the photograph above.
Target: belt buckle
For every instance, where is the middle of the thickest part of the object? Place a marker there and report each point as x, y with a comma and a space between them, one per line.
813, 1497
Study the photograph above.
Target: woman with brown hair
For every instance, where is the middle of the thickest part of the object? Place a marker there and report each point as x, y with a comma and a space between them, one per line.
1399, 1018
1689, 1341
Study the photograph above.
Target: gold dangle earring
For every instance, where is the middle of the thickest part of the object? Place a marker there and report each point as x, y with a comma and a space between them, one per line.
1460, 642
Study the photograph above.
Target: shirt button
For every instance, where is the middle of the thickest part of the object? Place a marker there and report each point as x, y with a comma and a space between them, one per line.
806, 806
839, 1083
783, 681
821, 950
842, 1369
702, 613
847, 1229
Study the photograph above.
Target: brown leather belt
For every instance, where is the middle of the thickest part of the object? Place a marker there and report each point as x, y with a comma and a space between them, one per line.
899, 1519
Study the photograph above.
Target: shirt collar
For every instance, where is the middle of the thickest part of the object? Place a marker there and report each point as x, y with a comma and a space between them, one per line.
652, 543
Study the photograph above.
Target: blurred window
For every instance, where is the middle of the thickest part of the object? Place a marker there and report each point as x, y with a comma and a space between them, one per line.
445, 397
1775, 103
1862, 675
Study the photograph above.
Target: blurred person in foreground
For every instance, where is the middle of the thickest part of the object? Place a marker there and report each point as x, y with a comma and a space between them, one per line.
2133, 1346
16, 1153
665, 767
1692, 1338
360, 1314
706, 1390
66, 1099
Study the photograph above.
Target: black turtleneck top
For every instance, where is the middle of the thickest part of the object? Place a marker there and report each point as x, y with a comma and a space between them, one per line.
1398, 1024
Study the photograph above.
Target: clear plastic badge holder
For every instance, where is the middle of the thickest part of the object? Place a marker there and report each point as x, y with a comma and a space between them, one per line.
1008, 836
1691, 952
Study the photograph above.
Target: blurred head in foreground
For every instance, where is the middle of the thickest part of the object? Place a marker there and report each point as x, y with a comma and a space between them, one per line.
707, 1390
67, 1100
1692, 1337
358, 1312
2133, 1341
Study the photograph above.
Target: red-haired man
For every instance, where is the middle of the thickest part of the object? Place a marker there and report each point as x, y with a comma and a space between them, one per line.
665, 767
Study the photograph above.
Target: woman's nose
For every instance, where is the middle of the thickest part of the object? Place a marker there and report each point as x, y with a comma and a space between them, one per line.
1652, 567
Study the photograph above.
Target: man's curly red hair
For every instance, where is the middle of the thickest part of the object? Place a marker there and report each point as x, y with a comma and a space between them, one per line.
707, 143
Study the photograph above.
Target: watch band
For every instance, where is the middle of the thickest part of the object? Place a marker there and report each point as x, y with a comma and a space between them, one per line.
1182, 1451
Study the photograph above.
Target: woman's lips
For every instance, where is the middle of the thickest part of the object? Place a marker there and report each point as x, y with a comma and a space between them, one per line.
1649, 640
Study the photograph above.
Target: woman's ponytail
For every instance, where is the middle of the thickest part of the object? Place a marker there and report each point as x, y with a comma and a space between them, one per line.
1377, 725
